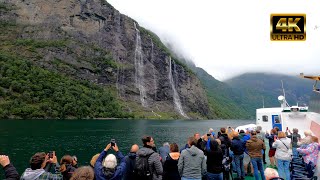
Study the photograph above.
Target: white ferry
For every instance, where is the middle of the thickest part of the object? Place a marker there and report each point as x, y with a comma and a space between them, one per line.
289, 117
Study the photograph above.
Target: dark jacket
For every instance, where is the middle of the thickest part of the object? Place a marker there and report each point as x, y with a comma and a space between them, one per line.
238, 146
294, 139
10, 172
225, 144
154, 162
68, 172
214, 158
271, 140
130, 160
254, 147
101, 173
170, 167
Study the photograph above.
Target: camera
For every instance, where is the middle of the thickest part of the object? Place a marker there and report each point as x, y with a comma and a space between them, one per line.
113, 142
50, 154
208, 134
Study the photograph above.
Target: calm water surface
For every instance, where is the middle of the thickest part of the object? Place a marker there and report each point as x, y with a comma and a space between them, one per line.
20, 139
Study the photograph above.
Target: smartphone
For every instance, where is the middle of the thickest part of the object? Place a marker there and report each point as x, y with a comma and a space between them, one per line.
113, 142
50, 154
287, 128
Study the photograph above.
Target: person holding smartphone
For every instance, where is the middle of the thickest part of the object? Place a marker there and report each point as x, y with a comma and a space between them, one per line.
106, 166
40, 167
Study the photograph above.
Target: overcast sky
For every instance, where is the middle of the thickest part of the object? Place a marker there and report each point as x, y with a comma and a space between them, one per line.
230, 37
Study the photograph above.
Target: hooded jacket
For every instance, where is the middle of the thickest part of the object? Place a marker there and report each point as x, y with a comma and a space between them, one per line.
30, 174
40, 174
191, 163
154, 162
102, 173
254, 147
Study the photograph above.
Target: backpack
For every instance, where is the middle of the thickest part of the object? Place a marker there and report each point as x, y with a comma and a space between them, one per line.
141, 169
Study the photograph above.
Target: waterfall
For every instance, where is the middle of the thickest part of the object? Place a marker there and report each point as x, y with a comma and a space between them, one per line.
139, 69
176, 98
154, 72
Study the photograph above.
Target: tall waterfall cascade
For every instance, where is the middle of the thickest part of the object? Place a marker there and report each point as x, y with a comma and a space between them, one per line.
154, 71
139, 69
176, 98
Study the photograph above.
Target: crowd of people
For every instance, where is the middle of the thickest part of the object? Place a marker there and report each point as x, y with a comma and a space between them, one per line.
210, 156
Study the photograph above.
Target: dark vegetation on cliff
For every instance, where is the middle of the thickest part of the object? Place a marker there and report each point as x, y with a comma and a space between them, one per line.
252, 88
75, 59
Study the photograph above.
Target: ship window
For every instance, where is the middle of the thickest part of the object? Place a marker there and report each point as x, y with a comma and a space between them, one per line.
265, 118
276, 120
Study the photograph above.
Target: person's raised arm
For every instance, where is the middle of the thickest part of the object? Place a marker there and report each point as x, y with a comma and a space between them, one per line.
9, 170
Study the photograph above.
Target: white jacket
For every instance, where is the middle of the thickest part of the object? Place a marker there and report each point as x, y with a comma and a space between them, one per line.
282, 152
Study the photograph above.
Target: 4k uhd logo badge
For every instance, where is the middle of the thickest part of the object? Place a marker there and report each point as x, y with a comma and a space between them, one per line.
288, 27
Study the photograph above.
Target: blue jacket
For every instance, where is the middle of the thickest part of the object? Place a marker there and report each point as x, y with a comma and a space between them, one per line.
119, 170
238, 146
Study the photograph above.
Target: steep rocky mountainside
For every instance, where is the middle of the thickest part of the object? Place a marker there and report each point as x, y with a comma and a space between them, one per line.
89, 40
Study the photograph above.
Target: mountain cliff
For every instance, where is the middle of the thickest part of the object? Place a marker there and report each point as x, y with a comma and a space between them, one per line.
89, 44
251, 89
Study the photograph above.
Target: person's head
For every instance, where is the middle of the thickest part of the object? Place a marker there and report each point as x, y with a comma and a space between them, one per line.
223, 130
75, 160
66, 159
235, 134
253, 133
174, 147
148, 141
197, 136
241, 131
214, 145
166, 144
259, 128
191, 141
281, 134
134, 148
295, 130
37, 161
273, 131
258, 131
94, 159
270, 173
210, 130
314, 139
307, 133
249, 130
219, 141
83, 173
110, 161
276, 128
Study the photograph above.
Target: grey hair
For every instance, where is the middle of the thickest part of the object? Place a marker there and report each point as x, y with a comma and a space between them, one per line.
166, 144
270, 173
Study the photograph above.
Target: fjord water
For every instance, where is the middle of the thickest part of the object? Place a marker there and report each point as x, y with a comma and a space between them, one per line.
20, 139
